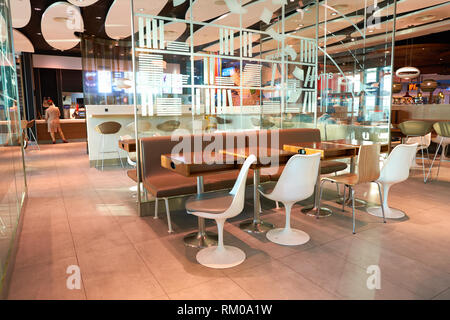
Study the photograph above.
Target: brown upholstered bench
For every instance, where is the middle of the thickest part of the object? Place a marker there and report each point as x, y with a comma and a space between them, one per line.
298, 136
162, 183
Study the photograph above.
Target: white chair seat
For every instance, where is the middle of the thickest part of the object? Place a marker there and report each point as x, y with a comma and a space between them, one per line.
221, 206
216, 203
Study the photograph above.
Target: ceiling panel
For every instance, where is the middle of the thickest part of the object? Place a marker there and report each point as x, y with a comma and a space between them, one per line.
203, 10
20, 13
82, 3
22, 43
254, 10
118, 19
59, 23
409, 20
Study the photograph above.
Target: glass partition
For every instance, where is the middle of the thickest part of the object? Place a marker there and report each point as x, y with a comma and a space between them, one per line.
205, 66
12, 186
355, 77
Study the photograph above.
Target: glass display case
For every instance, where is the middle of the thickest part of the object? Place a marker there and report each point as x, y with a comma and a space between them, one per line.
13, 185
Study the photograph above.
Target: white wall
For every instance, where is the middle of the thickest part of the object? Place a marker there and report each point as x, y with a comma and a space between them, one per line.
56, 62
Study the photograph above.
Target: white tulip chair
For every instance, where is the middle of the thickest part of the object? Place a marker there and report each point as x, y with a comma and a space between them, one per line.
395, 170
296, 183
220, 206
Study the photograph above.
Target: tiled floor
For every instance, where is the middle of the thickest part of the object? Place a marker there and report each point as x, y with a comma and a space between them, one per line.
81, 216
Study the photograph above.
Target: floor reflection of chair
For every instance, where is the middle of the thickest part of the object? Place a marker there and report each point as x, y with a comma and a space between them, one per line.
367, 170
296, 183
395, 170
220, 206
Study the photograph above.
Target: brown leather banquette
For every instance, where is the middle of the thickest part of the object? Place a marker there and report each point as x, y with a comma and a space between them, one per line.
162, 183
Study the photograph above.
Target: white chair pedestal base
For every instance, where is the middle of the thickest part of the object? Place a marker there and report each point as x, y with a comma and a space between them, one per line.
288, 237
220, 258
390, 213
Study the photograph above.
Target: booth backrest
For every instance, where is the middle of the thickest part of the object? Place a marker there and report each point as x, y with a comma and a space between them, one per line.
153, 147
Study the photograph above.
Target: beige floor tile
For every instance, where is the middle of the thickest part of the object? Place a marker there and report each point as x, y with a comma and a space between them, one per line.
277, 281
338, 275
117, 273
174, 265
44, 281
219, 289
423, 280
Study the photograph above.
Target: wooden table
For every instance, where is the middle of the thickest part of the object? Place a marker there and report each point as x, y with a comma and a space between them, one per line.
129, 145
330, 150
197, 165
264, 158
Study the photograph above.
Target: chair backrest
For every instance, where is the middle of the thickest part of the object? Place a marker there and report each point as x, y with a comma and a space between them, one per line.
397, 165
368, 165
298, 179
442, 129
109, 127
238, 191
415, 128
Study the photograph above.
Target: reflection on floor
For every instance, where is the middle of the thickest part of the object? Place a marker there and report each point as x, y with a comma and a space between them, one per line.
81, 216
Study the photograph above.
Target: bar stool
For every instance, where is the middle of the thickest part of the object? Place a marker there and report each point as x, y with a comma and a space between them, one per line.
443, 131
368, 170
106, 129
395, 170
296, 183
419, 129
445, 144
26, 127
220, 206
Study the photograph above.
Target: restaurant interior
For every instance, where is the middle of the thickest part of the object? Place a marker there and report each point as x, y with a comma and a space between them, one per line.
225, 149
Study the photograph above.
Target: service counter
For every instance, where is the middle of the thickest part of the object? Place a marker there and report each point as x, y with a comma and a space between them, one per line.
74, 130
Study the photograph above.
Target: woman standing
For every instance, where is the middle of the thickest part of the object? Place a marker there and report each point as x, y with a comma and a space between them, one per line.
52, 115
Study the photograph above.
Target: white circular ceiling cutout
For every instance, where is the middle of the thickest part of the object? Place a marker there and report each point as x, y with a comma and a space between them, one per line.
203, 10
118, 21
82, 3
59, 23
20, 13
21, 42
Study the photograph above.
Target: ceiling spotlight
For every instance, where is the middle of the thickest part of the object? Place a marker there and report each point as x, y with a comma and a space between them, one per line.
141, 9
353, 39
37, 9
334, 13
38, 33
98, 18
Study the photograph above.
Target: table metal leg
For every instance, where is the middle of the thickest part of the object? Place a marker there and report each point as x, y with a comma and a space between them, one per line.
312, 210
201, 238
256, 225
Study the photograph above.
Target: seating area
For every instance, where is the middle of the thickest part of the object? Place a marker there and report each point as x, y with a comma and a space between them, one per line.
177, 168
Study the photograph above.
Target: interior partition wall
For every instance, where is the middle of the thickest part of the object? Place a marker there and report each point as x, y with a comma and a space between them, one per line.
12, 169
205, 66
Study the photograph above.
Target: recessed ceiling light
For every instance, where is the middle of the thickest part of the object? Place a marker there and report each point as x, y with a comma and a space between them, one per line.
37, 9
98, 18
141, 9
334, 13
